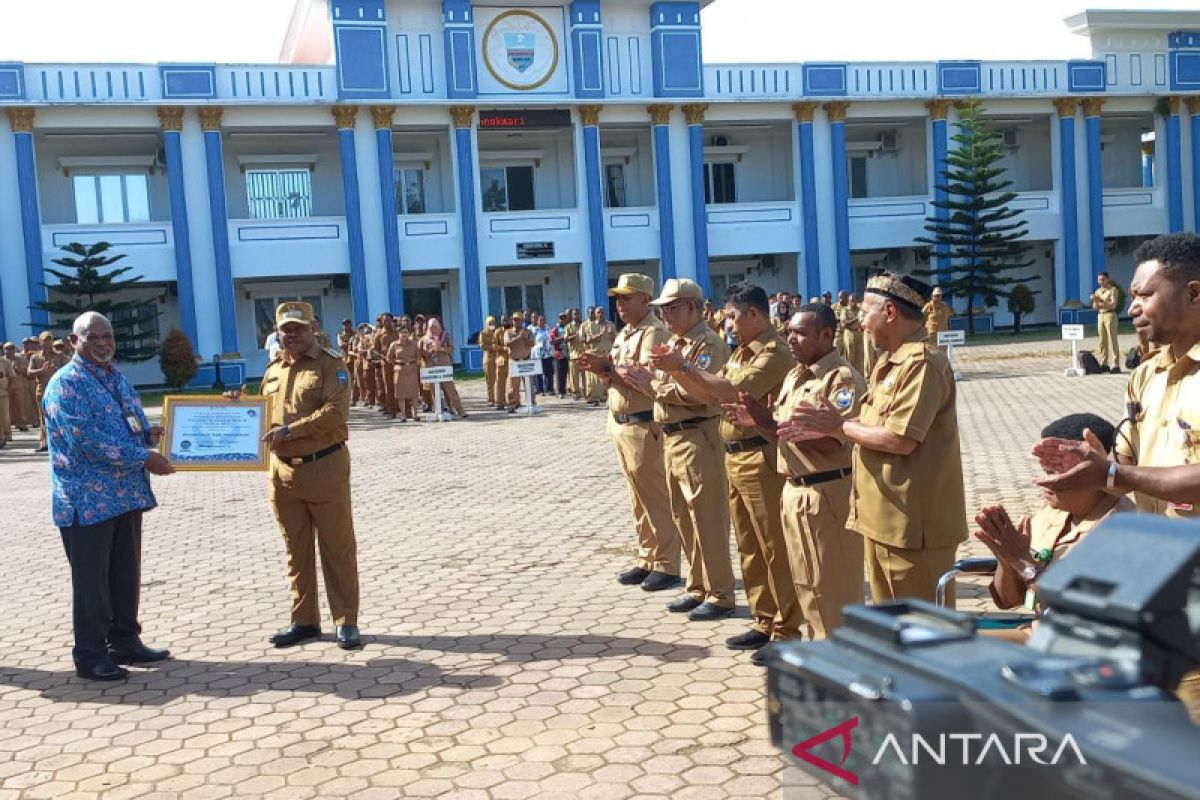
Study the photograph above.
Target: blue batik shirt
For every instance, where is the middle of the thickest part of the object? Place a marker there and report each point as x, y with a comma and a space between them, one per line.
97, 464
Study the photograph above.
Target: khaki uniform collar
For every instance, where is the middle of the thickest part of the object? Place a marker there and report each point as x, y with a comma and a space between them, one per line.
1061, 519
1164, 360
909, 347
696, 333
311, 352
758, 343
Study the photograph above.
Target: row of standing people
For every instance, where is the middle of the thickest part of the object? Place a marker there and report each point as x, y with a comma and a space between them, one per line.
24, 375
785, 439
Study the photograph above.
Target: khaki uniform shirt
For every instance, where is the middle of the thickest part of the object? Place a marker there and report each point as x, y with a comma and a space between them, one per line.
758, 369
834, 378
937, 317
311, 395
437, 354
847, 317
486, 337
605, 333
383, 340
633, 346
574, 337
913, 501
346, 344
1166, 429
8, 377
37, 360
1106, 299
704, 349
519, 344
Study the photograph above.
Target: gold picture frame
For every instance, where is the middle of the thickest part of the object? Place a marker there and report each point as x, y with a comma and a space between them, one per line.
205, 433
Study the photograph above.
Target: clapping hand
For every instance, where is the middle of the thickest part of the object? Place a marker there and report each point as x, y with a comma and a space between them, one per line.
666, 358
637, 376
594, 362
809, 421
1009, 543
1072, 465
749, 413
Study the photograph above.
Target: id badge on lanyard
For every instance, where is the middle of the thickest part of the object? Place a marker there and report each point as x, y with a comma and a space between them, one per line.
133, 422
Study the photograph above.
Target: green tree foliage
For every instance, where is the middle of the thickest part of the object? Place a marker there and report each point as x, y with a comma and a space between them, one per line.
177, 359
980, 243
1020, 303
89, 281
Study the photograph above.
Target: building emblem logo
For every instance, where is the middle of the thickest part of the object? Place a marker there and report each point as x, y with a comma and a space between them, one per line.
520, 50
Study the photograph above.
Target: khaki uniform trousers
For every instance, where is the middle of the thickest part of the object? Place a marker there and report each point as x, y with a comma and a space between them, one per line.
826, 558
387, 394
755, 487
575, 377
852, 348
1106, 324
450, 398
896, 572
489, 375
367, 378
1189, 694
699, 496
596, 389
41, 417
5, 419
311, 503
18, 408
640, 454
501, 385
355, 387
31, 399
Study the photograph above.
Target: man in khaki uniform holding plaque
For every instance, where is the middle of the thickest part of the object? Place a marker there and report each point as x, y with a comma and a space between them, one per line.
310, 477
907, 500
692, 445
637, 437
826, 557
1104, 300
756, 370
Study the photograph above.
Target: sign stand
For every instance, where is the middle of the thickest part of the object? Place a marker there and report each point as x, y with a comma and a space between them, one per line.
949, 339
526, 370
437, 376
1073, 334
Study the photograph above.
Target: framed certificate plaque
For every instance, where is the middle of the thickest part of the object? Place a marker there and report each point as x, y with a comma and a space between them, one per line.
208, 432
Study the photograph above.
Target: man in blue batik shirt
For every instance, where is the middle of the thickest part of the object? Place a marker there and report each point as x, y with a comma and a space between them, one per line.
100, 455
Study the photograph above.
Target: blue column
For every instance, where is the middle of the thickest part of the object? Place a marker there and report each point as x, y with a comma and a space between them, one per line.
1067, 192
695, 120
210, 121
586, 49
660, 117
31, 216
360, 42
808, 198
841, 193
1091, 122
172, 123
464, 120
382, 116
938, 110
344, 118
1174, 169
595, 203
1193, 106
675, 53
458, 37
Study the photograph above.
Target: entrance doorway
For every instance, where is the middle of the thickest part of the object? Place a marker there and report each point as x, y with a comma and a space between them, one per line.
424, 301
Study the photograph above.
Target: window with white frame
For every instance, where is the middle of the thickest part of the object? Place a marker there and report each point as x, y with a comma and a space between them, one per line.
410, 190
279, 193
720, 182
507, 188
111, 198
504, 300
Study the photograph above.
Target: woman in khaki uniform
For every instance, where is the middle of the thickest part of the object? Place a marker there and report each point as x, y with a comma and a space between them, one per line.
487, 339
405, 357
437, 347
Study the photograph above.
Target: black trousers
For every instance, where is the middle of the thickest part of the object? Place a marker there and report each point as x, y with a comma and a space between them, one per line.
561, 366
106, 571
546, 379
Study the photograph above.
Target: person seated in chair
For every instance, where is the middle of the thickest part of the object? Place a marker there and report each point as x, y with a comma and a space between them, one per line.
1024, 550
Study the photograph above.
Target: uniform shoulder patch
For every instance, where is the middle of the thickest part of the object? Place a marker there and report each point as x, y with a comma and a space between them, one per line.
844, 398
704, 361
343, 377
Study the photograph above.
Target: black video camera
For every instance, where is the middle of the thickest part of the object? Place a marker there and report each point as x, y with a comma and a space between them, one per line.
906, 700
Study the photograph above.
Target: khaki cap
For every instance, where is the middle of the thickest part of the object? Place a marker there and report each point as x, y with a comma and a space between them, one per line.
633, 283
518, 316
294, 311
937, 292
8, 345
679, 289
29, 340
44, 335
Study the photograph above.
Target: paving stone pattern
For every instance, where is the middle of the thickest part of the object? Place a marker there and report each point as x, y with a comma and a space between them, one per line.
502, 660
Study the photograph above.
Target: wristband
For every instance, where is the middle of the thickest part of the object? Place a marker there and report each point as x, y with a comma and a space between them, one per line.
1111, 481
287, 431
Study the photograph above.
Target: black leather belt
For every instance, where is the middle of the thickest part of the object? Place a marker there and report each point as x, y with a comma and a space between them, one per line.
676, 427
753, 443
297, 461
641, 416
819, 477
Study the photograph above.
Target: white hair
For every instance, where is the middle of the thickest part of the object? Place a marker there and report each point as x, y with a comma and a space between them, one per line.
86, 320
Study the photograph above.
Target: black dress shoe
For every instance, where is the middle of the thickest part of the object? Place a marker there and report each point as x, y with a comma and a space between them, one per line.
295, 634
657, 581
750, 640
139, 655
103, 671
683, 604
348, 638
632, 577
759, 657
709, 612
43, 449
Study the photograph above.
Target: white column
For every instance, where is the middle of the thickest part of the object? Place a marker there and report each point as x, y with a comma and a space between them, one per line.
204, 265
681, 195
367, 159
14, 294
826, 223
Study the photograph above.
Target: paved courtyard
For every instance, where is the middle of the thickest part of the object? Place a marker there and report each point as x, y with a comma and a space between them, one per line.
502, 659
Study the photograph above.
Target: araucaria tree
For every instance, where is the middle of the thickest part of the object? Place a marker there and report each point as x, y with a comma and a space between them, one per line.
979, 241
86, 283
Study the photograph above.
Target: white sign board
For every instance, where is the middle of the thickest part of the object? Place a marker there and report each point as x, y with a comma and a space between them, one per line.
524, 369
952, 337
1072, 333
437, 374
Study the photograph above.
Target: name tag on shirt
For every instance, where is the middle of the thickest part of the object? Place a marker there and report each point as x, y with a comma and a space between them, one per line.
133, 423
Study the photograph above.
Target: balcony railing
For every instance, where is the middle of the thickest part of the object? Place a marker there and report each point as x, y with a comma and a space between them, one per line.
150, 246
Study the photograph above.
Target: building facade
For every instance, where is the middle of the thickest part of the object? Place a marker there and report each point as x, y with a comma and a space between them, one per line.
466, 158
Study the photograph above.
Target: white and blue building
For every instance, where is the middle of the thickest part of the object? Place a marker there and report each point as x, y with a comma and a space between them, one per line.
466, 157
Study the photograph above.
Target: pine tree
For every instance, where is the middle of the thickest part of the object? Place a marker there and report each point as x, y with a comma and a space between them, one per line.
86, 284
980, 243
177, 360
